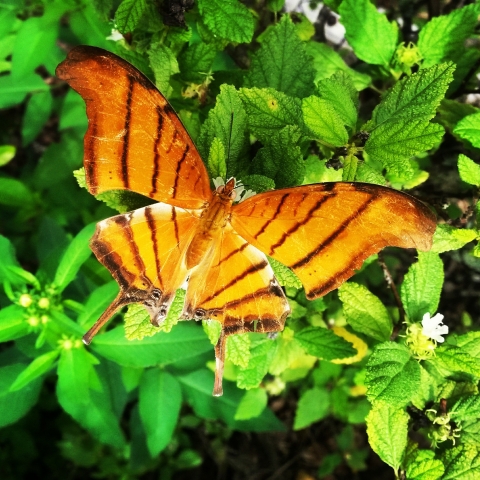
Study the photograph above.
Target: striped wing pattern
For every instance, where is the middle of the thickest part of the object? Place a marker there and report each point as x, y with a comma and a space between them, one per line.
324, 232
134, 140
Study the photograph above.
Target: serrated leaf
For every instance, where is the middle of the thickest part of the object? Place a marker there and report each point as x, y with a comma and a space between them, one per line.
252, 404
269, 111
327, 61
216, 163
387, 428
288, 351
73, 258
450, 359
35, 369
420, 290
469, 170
196, 62
393, 143
425, 469
323, 343
227, 121
367, 174
323, 121
448, 238
392, 375
238, 350
164, 64
284, 275
257, 183
160, 399
415, 97
373, 38
261, 356
128, 15
461, 463
282, 62
313, 405
365, 313
443, 37
469, 129
137, 320
281, 158
340, 91
229, 19
466, 408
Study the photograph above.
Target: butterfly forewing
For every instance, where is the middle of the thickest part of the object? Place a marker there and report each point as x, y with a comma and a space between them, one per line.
134, 140
325, 231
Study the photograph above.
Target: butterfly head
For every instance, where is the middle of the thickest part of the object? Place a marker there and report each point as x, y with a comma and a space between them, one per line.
227, 190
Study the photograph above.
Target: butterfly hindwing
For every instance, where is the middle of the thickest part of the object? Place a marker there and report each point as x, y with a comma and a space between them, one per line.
135, 140
324, 232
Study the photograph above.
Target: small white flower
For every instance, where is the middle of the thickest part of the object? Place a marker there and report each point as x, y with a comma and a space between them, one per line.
115, 36
303, 6
433, 327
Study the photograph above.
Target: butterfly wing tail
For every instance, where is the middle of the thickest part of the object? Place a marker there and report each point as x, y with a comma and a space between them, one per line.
219, 363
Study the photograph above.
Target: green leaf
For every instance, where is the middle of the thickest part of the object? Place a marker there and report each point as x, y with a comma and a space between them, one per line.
14, 91
281, 158
323, 343
12, 323
216, 163
228, 122
282, 62
425, 469
197, 387
139, 326
448, 238
468, 129
164, 64
364, 312
313, 405
269, 111
74, 257
35, 39
160, 399
72, 113
392, 375
128, 15
450, 359
97, 303
443, 38
229, 19
327, 61
37, 368
7, 152
14, 405
257, 183
38, 111
238, 350
420, 290
284, 275
339, 90
289, 349
461, 463
387, 428
467, 408
323, 121
469, 170
252, 405
261, 356
15, 193
451, 112
184, 342
373, 38
196, 62
393, 143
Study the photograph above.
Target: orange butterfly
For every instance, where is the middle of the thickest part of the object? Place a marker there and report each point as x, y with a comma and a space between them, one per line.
323, 232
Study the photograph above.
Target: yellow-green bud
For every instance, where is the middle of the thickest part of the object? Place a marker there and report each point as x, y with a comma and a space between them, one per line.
25, 300
33, 321
44, 303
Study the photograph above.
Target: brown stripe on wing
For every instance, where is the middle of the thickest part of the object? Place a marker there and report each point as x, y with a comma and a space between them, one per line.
153, 231
298, 225
126, 136
156, 150
325, 243
275, 215
237, 278
177, 172
124, 222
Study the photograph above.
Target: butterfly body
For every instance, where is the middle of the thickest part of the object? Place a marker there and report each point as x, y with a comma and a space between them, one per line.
323, 232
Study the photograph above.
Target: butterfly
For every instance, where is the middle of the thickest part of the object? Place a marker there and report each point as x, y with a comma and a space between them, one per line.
323, 232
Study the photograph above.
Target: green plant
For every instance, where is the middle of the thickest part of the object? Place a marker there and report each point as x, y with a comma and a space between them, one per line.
359, 355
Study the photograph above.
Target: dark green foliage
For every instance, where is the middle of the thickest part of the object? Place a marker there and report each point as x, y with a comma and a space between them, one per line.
269, 102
